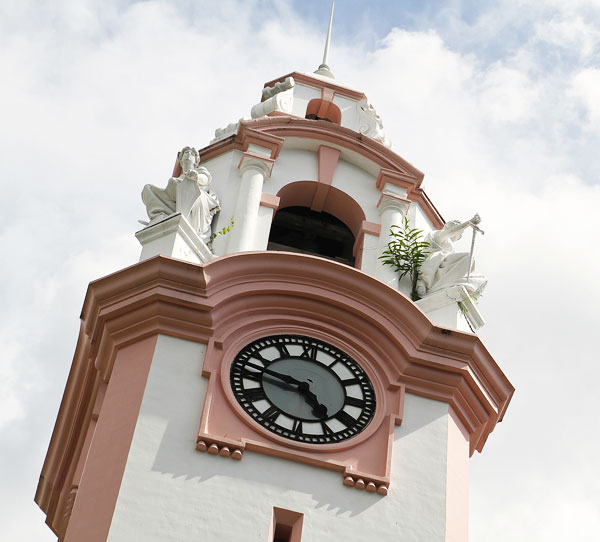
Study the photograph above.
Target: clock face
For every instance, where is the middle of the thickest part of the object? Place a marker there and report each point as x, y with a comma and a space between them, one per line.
303, 389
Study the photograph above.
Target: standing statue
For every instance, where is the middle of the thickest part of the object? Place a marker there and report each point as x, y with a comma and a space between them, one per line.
443, 267
188, 194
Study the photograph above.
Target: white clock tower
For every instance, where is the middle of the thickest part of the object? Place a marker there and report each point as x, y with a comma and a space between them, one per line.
276, 382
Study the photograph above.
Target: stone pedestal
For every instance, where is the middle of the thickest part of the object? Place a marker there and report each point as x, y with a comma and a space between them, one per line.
452, 308
173, 237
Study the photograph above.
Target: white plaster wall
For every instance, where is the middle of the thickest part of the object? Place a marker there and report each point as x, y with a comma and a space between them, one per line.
263, 227
419, 219
171, 492
449, 317
292, 165
302, 95
360, 186
349, 112
226, 180
370, 254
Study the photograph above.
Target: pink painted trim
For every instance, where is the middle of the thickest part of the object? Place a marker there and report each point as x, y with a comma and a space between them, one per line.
253, 137
327, 161
287, 126
357, 250
268, 200
104, 465
269, 162
306, 79
324, 109
216, 303
327, 94
337, 203
419, 196
402, 180
371, 228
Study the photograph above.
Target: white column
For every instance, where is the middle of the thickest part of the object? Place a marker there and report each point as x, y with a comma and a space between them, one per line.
254, 171
392, 209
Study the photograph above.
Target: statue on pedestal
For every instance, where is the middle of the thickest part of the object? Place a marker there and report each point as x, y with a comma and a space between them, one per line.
188, 194
443, 268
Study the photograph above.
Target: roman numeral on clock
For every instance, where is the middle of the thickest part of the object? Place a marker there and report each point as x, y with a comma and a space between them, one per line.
254, 394
326, 429
251, 375
353, 401
345, 418
310, 352
283, 351
297, 427
259, 357
271, 414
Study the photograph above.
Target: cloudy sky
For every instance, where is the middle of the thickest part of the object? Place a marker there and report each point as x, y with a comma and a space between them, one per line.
498, 102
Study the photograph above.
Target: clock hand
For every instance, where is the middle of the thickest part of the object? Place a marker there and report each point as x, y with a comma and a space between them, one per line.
286, 378
319, 409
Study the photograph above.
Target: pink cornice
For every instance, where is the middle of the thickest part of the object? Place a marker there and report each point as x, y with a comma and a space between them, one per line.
235, 298
428, 207
306, 79
254, 137
286, 126
249, 160
398, 179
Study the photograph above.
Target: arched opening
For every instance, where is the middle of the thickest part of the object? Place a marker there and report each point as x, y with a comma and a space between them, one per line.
319, 109
299, 229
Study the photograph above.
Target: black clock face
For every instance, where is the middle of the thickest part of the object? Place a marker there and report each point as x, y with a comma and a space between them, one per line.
303, 389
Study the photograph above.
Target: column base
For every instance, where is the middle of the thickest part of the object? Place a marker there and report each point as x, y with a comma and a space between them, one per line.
173, 237
452, 308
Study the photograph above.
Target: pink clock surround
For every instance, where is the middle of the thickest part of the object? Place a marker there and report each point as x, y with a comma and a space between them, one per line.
225, 304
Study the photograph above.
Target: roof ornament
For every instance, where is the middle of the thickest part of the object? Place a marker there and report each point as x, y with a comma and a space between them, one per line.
324, 68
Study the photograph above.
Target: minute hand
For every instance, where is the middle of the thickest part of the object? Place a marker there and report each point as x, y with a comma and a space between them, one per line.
286, 378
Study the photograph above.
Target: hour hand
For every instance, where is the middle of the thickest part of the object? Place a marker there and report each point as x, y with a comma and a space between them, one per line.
319, 409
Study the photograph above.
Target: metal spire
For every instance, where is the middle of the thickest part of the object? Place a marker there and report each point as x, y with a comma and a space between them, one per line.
324, 68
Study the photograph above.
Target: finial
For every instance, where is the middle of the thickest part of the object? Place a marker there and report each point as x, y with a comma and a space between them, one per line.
324, 68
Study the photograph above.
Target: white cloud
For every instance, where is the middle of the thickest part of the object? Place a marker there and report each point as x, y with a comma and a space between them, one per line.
586, 91
572, 33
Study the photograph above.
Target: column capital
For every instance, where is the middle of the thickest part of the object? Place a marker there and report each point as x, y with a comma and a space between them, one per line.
392, 202
390, 180
254, 161
253, 140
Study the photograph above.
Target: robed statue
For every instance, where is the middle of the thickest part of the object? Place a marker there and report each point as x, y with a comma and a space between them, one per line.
188, 194
443, 267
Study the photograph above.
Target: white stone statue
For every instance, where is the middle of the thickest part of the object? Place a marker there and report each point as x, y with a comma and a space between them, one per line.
443, 267
188, 194
371, 123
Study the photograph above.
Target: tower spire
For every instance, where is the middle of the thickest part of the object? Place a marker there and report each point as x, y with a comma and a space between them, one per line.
324, 68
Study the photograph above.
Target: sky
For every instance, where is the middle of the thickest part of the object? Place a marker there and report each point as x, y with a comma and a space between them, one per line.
497, 102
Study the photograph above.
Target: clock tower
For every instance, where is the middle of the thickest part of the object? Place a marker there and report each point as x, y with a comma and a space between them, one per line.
259, 374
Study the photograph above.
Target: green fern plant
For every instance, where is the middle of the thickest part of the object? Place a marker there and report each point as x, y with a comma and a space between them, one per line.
405, 253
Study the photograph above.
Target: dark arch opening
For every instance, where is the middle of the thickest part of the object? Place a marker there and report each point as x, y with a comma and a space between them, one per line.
299, 229
319, 109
